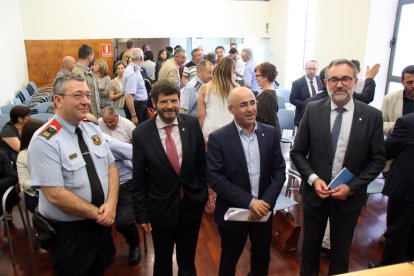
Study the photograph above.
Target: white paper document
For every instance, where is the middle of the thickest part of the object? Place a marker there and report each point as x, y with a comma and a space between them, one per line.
239, 214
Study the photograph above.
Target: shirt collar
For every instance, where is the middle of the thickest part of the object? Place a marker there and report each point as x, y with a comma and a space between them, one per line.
86, 69
161, 124
349, 106
65, 124
244, 132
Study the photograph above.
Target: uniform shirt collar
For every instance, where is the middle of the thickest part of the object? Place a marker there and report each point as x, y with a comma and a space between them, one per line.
65, 124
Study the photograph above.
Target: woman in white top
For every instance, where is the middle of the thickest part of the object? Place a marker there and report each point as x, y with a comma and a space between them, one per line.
31, 198
212, 99
149, 65
116, 93
212, 109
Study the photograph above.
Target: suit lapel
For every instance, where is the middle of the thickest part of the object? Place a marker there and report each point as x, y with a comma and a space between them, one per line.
325, 112
262, 149
236, 144
185, 139
357, 124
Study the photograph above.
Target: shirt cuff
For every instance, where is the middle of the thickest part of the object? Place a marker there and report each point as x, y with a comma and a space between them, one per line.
312, 178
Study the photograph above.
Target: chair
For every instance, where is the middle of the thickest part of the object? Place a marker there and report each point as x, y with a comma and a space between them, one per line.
32, 87
284, 202
284, 93
375, 187
26, 95
4, 119
5, 109
42, 116
286, 120
281, 103
3, 202
17, 100
44, 107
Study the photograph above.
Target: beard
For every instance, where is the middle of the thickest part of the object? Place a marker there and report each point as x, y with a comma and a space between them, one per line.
338, 96
168, 115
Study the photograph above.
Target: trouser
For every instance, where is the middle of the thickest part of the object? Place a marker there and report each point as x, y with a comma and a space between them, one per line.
81, 248
233, 242
125, 219
399, 237
184, 235
140, 110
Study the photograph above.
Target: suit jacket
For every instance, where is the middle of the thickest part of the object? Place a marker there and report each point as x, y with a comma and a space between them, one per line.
170, 71
299, 93
156, 184
364, 156
399, 146
392, 108
228, 175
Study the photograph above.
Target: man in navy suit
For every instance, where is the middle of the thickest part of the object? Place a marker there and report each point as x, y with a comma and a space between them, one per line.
305, 87
399, 187
246, 169
170, 188
334, 133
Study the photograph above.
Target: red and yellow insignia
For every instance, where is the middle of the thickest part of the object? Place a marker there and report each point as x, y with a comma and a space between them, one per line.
50, 129
96, 139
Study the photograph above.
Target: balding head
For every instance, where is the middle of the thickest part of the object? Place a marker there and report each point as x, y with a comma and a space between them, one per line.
68, 63
242, 104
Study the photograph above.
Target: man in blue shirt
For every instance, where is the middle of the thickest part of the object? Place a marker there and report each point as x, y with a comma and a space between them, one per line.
249, 75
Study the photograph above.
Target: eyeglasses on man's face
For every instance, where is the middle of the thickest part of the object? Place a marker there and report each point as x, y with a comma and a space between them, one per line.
246, 104
78, 96
343, 80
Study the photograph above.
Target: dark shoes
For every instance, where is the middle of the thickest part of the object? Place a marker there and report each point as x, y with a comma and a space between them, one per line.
134, 256
325, 251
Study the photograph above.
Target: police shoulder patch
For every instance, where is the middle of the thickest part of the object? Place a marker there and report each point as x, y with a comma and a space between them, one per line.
50, 129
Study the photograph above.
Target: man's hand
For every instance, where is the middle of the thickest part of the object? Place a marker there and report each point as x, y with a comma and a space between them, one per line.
107, 214
259, 208
321, 188
147, 227
372, 72
341, 192
134, 119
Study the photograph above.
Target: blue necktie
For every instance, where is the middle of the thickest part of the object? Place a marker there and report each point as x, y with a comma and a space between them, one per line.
336, 129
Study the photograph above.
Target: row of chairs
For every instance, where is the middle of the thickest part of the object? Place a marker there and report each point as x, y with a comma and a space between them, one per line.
25, 94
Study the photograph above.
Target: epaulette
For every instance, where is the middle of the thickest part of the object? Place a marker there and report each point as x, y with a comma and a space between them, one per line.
50, 129
197, 86
86, 120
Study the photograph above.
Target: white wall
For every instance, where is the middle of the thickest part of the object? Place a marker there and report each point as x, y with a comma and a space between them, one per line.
14, 67
93, 19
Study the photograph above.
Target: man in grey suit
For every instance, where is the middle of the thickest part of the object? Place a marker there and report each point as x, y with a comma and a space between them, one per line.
320, 152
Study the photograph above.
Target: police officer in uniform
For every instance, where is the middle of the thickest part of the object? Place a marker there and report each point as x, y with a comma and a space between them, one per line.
188, 102
74, 167
136, 96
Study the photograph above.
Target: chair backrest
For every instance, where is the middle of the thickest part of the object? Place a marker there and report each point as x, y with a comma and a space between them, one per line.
43, 107
285, 93
32, 87
42, 116
281, 102
286, 119
17, 100
4, 118
5, 109
25, 93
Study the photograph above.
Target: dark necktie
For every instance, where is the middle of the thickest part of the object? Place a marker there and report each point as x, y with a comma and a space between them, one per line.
312, 88
98, 197
336, 129
171, 149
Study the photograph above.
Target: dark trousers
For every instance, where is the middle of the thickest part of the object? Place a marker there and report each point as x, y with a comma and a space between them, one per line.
184, 236
125, 219
140, 110
399, 237
342, 231
31, 202
233, 242
81, 248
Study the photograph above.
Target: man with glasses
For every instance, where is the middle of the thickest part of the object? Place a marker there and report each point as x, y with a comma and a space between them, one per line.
246, 169
399, 103
73, 165
336, 133
305, 87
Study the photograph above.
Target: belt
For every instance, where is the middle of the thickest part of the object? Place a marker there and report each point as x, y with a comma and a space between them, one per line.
136, 101
73, 225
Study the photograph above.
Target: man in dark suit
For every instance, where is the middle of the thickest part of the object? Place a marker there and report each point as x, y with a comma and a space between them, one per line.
170, 188
246, 169
334, 133
305, 87
399, 187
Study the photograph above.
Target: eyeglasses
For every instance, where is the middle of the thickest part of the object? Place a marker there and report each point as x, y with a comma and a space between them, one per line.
78, 96
343, 80
246, 104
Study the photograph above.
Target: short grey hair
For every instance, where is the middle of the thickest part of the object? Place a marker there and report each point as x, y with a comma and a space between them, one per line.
339, 62
248, 51
137, 54
178, 51
202, 66
108, 110
59, 85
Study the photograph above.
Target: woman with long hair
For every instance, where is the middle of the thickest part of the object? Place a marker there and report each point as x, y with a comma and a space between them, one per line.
100, 68
212, 99
162, 56
116, 93
212, 110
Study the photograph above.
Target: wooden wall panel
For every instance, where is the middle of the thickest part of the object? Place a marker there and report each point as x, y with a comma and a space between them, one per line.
44, 57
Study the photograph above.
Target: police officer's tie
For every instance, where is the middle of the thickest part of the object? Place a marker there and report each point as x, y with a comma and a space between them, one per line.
98, 197
172, 153
312, 88
336, 129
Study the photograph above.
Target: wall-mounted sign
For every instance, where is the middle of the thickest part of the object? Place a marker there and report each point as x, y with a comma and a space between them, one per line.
106, 50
